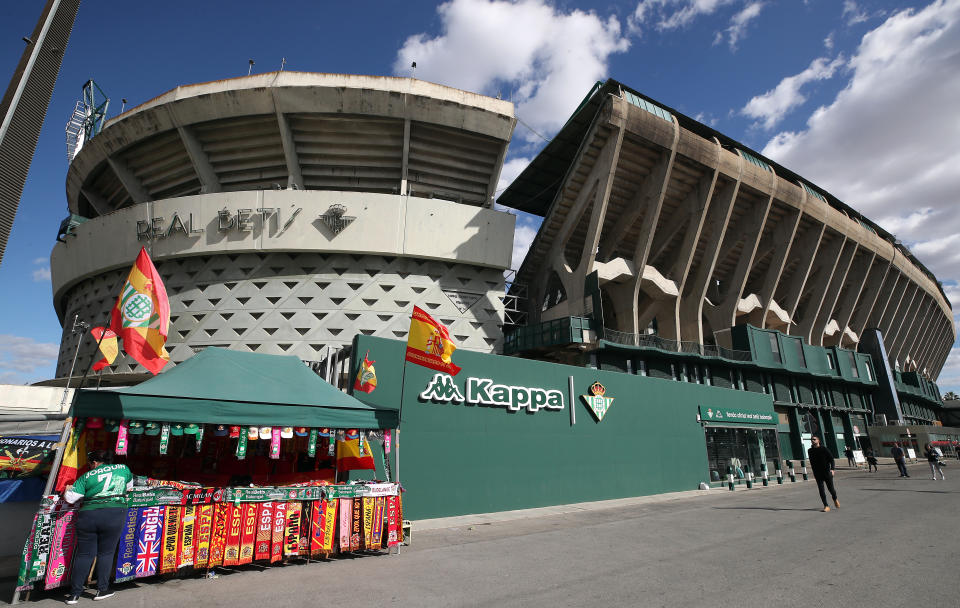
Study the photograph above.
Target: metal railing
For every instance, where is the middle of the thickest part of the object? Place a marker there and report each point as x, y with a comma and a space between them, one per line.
675, 346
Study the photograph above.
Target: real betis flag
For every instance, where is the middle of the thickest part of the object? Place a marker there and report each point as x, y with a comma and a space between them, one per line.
108, 347
366, 376
429, 343
141, 316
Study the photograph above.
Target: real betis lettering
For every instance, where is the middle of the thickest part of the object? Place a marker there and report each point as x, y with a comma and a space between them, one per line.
484, 391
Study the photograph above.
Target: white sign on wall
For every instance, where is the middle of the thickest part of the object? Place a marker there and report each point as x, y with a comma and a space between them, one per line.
484, 391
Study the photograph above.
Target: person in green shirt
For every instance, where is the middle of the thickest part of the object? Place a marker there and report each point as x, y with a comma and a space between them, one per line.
103, 492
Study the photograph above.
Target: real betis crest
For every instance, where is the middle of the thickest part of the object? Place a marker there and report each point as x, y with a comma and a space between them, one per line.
335, 218
596, 401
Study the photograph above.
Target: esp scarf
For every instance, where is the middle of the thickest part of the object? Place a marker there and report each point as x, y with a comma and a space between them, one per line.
231, 553
204, 529
264, 531
218, 536
279, 526
248, 533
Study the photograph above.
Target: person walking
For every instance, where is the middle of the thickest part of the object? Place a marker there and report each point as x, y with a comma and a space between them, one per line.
898, 457
933, 459
100, 520
871, 462
822, 465
849, 454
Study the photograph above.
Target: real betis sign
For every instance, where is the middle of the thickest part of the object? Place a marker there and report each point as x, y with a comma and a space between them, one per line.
484, 391
724, 414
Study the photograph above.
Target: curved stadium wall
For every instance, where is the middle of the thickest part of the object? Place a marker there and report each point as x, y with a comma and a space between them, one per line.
288, 212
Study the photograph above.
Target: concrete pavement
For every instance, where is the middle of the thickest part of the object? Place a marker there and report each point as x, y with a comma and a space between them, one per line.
892, 543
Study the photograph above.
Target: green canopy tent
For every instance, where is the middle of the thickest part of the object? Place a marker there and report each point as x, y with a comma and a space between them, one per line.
220, 386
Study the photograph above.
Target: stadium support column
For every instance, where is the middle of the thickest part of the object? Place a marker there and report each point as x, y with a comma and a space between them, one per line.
887, 402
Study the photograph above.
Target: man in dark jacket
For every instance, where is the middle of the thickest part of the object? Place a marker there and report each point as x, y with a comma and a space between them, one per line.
821, 463
898, 456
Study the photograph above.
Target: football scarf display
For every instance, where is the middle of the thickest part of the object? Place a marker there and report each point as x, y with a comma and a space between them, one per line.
25, 573
150, 531
279, 526
164, 437
204, 527
186, 537
218, 535
248, 533
242, 445
291, 535
275, 442
356, 526
303, 542
61, 549
312, 444
231, 553
127, 551
346, 520
264, 531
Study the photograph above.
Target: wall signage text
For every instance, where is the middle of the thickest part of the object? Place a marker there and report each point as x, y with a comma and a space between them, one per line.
484, 391
228, 220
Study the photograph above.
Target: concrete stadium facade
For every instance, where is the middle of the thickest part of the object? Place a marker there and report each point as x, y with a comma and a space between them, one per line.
687, 233
288, 212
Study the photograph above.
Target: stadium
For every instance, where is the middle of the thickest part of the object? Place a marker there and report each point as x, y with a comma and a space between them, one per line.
725, 304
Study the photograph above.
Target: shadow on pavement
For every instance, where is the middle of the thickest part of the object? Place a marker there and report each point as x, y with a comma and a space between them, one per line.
768, 508
905, 490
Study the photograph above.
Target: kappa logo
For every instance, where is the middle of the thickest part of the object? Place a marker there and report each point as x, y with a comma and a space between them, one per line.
442, 388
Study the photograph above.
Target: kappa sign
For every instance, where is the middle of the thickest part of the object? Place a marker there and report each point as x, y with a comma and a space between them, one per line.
483, 391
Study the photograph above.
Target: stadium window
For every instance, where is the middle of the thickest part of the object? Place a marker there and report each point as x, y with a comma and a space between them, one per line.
800, 356
775, 347
852, 360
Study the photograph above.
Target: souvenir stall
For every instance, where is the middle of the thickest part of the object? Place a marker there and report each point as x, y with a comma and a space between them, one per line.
237, 458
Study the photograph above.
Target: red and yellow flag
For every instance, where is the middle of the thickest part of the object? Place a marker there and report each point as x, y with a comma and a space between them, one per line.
366, 376
349, 456
141, 316
108, 347
74, 458
429, 343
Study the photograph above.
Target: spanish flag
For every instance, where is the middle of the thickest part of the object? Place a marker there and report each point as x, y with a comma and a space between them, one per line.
348, 452
141, 316
429, 343
366, 376
74, 458
108, 347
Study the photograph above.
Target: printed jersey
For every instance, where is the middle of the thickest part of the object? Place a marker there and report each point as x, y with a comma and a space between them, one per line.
102, 487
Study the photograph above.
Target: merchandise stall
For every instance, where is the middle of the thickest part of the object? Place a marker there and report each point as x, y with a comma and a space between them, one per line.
238, 458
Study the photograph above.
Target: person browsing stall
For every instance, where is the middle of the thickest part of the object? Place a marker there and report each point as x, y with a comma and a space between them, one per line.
102, 490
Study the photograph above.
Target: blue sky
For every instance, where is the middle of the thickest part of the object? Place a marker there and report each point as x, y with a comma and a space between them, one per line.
858, 97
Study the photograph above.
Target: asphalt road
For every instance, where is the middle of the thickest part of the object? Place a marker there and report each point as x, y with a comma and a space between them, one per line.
894, 542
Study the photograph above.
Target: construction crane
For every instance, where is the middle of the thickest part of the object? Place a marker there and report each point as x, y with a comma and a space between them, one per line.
87, 118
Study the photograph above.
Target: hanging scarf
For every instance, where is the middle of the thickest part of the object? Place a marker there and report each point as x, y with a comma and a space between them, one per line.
264, 531
127, 551
376, 541
356, 526
187, 537
149, 536
303, 547
291, 535
164, 437
218, 535
317, 511
346, 521
204, 527
279, 526
242, 444
248, 533
171, 528
231, 553
61, 549
393, 522
275, 442
121, 447
368, 504
312, 444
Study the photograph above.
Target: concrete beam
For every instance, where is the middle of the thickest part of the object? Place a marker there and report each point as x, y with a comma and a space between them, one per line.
209, 182
405, 161
919, 327
783, 237
856, 281
99, 204
836, 284
870, 294
130, 181
806, 252
898, 318
294, 176
828, 257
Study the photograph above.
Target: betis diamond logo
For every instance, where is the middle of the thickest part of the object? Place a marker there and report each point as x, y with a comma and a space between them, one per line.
598, 403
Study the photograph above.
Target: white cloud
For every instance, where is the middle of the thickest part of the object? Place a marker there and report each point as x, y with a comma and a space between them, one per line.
828, 42
773, 105
522, 239
24, 360
853, 13
887, 144
511, 169
949, 379
43, 273
739, 23
541, 57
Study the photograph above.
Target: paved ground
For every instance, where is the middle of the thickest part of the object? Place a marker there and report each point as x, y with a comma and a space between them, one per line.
893, 543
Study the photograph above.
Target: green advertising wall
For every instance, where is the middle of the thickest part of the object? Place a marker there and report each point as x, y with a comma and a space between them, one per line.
457, 458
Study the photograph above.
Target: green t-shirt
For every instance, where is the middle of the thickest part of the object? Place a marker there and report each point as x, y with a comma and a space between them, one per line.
102, 487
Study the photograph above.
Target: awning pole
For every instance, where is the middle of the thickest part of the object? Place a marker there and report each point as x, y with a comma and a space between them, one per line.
396, 471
